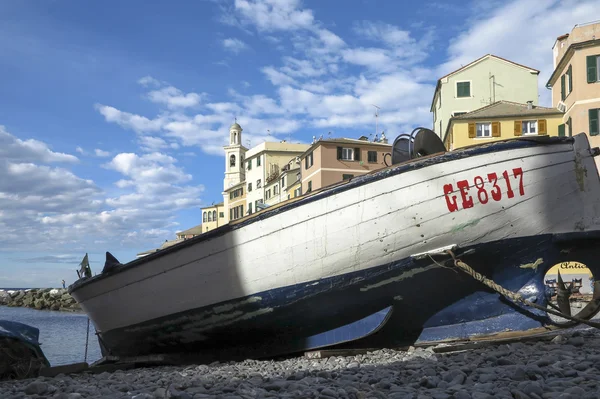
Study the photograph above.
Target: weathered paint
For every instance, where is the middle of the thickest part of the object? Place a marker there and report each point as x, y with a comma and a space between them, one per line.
356, 240
533, 265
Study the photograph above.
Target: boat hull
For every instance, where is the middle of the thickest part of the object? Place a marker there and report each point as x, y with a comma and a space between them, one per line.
340, 266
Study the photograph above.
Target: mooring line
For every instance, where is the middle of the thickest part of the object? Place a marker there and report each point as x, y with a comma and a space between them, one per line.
87, 337
513, 295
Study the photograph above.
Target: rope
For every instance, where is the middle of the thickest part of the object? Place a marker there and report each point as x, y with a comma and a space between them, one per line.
512, 295
87, 337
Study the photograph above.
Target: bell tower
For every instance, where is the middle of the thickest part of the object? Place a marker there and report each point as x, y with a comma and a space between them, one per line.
234, 158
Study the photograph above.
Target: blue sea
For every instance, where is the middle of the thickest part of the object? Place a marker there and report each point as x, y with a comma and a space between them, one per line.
62, 334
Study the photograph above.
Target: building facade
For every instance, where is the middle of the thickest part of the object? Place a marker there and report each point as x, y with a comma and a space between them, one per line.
213, 216
264, 164
236, 201
575, 81
502, 120
333, 160
482, 82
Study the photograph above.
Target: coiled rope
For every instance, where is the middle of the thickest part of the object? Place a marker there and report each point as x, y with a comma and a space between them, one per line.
512, 295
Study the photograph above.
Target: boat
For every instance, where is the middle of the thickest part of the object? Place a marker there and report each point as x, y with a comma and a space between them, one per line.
20, 353
368, 262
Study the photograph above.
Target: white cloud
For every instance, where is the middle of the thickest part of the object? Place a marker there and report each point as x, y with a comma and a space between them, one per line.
274, 15
137, 123
101, 153
174, 98
522, 31
80, 150
149, 81
234, 45
12, 148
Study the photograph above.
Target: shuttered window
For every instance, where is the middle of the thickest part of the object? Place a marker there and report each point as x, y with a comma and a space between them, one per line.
594, 116
372, 156
561, 130
593, 68
463, 89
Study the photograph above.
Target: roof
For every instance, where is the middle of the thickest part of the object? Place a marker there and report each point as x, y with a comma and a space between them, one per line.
502, 109
194, 230
344, 141
213, 206
235, 126
439, 82
506, 109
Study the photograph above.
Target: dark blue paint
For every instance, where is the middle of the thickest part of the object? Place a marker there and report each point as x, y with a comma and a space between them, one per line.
438, 304
24, 333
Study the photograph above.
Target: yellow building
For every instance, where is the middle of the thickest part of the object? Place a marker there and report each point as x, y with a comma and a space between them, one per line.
502, 120
213, 216
236, 201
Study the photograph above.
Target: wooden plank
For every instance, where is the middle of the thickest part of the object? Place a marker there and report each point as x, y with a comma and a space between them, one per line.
64, 369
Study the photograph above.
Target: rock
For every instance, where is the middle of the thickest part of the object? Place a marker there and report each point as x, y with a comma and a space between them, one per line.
576, 341
559, 339
36, 388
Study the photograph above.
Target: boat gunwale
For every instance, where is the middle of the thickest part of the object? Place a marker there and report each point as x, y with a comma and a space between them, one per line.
393, 170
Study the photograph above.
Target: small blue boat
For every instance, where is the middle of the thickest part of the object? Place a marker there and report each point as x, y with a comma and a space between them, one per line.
20, 352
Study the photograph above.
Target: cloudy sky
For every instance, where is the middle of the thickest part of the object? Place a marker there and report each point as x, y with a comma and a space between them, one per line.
113, 113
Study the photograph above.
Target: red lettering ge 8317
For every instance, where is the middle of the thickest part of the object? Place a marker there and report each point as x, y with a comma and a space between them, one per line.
469, 191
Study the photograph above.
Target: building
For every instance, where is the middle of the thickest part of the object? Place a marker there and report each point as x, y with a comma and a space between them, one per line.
264, 164
501, 120
333, 160
482, 82
234, 169
190, 233
291, 181
213, 216
575, 81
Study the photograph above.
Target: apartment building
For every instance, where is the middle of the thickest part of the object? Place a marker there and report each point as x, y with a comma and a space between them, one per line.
502, 120
213, 216
575, 81
333, 160
482, 82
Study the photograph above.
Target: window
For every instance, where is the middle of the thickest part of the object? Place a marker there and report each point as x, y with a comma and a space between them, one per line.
249, 187
372, 156
529, 127
204, 217
282, 182
348, 154
260, 201
232, 160
275, 189
221, 214
570, 126
484, 130
308, 161
566, 83
309, 187
258, 183
210, 216
258, 161
268, 194
214, 216
592, 63
250, 165
297, 192
288, 196
594, 116
463, 89
347, 177
249, 208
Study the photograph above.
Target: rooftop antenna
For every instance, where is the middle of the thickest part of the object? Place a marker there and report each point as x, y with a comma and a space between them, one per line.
376, 115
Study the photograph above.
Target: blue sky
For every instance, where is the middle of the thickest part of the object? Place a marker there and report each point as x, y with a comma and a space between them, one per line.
113, 114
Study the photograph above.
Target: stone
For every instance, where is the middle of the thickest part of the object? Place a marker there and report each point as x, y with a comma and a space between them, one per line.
36, 388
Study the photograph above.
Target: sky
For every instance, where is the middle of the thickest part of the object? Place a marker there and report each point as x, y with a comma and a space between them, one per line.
113, 114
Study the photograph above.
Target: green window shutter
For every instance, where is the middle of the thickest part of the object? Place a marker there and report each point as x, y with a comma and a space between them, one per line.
339, 153
357, 154
561, 130
593, 115
592, 68
570, 74
562, 87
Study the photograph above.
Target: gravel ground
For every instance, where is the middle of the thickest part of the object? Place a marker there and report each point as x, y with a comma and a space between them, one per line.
567, 367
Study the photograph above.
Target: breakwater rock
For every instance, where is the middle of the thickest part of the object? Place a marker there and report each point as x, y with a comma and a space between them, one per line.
40, 298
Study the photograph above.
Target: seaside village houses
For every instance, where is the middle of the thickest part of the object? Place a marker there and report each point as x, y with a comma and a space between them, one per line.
489, 99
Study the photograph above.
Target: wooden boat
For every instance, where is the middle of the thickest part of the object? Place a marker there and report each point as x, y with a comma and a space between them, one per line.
362, 263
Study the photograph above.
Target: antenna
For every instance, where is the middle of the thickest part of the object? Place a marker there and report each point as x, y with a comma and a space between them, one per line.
376, 115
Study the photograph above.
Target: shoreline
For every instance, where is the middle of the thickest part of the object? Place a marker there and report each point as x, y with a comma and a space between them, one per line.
56, 299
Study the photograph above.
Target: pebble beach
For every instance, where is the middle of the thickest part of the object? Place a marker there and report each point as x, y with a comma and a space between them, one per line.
568, 366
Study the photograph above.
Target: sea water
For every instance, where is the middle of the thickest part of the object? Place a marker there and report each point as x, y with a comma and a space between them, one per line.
62, 334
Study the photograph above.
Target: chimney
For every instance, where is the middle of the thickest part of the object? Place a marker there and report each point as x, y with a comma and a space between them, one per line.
383, 139
530, 104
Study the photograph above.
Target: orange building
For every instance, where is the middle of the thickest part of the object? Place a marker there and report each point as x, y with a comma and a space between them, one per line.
333, 160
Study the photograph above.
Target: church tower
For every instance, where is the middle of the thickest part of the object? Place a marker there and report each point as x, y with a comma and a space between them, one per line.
234, 158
